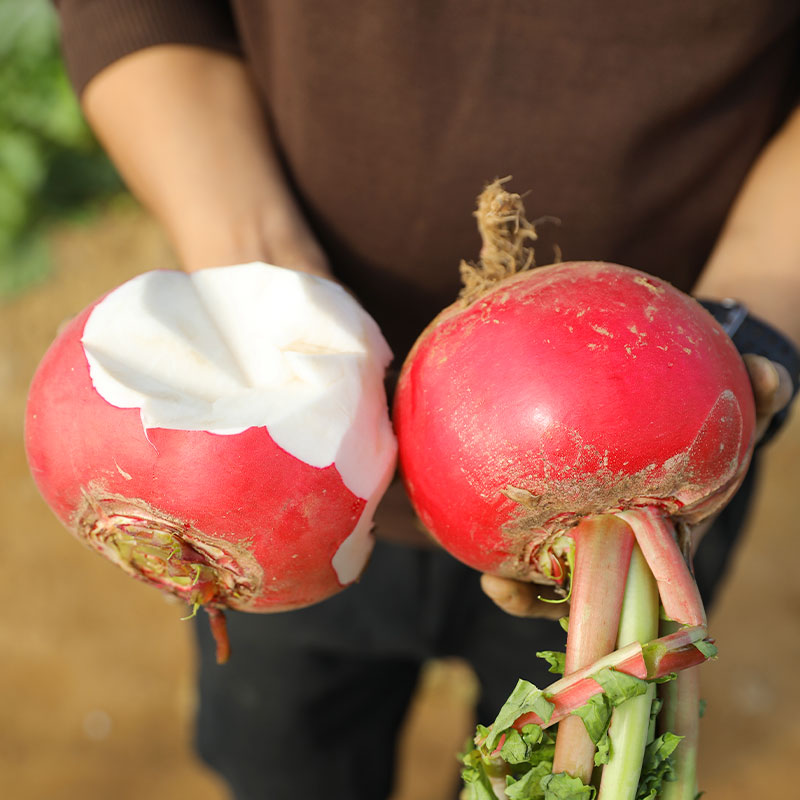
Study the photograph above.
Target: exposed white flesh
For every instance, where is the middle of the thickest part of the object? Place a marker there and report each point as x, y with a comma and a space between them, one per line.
230, 348
351, 557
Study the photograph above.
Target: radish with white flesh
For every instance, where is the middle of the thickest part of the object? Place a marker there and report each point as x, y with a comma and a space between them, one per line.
552, 415
223, 435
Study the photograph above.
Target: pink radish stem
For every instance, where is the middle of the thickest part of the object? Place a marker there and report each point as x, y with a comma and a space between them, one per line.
656, 659
655, 535
603, 546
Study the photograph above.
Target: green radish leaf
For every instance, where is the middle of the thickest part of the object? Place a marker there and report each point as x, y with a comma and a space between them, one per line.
482, 732
566, 787
655, 709
657, 766
477, 784
666, 678
618, 686
515, 750
529, 787
476, 779
525, 698
596, 714
564, 623
519, 748
603, 754
555, 659
531, 747
706, 648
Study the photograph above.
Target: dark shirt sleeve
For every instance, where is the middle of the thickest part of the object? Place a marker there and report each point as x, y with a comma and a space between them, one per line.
95, 33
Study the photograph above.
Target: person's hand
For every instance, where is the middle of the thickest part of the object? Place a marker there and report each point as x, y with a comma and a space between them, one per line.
186, 128
522, 599
772, 389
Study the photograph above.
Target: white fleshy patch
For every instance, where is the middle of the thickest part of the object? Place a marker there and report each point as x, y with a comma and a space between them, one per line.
230, 348
352, 555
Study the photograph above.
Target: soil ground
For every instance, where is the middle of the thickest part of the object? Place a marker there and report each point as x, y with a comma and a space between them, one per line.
96, 671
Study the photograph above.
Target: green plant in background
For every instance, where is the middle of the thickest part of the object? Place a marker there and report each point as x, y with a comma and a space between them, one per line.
50, 165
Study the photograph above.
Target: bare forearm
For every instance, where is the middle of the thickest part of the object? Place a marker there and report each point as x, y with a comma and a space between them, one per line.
185, 127
757, 258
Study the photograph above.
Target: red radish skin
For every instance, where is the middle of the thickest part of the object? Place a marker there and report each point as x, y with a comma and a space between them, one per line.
569, 390
223, 521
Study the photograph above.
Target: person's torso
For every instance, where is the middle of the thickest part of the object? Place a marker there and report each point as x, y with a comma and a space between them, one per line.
632, 123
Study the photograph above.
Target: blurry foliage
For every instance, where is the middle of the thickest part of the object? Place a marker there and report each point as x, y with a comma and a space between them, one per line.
50, 165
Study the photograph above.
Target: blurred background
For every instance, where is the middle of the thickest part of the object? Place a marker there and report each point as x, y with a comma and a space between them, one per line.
96, 672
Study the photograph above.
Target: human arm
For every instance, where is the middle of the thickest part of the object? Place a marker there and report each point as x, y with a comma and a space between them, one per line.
757, 260
757, 256
186, 129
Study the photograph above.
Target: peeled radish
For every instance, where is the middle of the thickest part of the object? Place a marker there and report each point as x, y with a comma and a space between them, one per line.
222, 434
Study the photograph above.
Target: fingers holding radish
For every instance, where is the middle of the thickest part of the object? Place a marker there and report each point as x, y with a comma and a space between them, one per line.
521, 599
772, 388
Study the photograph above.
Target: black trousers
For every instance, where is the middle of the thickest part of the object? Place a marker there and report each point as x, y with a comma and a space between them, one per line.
311, 701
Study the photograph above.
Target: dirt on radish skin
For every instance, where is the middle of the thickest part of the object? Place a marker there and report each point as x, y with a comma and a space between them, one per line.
223, 435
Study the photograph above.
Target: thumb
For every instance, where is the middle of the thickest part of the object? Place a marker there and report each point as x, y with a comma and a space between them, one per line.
772, 388
521, 599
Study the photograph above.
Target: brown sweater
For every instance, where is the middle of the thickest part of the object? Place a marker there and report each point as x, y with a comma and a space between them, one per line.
632, 123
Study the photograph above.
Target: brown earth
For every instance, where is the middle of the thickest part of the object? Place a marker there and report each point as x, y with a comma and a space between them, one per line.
96, 671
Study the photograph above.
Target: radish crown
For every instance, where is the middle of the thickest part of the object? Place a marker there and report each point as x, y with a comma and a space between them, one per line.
505, 232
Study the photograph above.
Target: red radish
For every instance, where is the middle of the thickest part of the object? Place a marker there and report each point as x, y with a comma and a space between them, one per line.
551, 414
222, 435
574, 389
